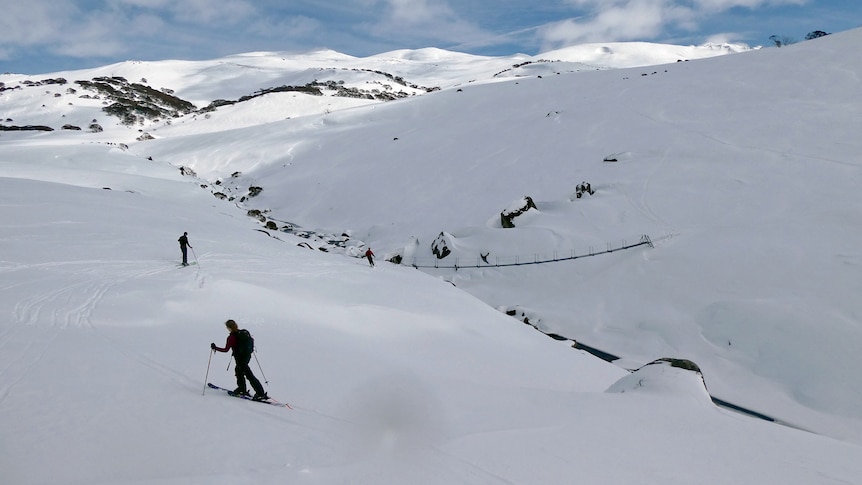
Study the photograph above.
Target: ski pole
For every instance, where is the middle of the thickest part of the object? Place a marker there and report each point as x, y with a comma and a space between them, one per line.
196, 256
261, 368
206, 379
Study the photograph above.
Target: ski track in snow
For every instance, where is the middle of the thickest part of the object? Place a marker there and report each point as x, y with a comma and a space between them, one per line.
40, 319
28, 354
645, 189
73, 304
476, 470
63, 307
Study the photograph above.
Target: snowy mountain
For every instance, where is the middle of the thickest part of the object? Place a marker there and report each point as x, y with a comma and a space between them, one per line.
277, 84
627, 203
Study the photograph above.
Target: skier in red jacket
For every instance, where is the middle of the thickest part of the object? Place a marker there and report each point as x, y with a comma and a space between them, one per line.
242, 358
370, 256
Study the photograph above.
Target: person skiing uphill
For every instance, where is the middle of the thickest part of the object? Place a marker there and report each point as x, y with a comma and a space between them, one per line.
184, 244
370, 256
240, 342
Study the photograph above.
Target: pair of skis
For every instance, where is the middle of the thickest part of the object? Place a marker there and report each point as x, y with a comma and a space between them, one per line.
271, 402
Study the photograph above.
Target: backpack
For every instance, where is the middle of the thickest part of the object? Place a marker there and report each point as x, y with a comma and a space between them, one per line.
244, 342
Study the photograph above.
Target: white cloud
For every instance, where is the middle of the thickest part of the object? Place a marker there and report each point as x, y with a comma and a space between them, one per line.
721, 5
92, 36
623, 20
149, 4
724, 38
697, 5
419, 11
425, 20
296, 27
145, 24
80, 29
61, 28
198, 12
34, 21
212, 12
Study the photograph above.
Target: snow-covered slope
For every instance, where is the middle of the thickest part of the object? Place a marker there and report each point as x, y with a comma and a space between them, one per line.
741, 169
638, 54
715, 164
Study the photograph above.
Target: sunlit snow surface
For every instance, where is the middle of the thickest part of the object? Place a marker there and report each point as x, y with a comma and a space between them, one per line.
742, 169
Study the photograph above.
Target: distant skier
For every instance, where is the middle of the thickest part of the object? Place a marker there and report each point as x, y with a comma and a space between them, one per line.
184, 244
243, 345
370, 256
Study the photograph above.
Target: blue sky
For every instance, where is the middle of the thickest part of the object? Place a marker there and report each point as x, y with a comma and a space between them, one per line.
42, 36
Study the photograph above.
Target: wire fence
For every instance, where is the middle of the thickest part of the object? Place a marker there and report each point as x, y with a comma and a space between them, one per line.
483, 261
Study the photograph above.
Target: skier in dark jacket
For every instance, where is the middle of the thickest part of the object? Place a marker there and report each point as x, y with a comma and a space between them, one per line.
370, 256
184, 242
242, 358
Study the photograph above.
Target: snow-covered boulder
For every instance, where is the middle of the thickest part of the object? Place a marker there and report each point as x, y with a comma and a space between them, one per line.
517, 208
441, 247
666, 377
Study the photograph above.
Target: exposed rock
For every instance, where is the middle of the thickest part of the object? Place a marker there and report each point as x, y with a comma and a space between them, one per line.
681, 363
440, 246
133, 103
26, 128
519, 207
187, 171
257, 215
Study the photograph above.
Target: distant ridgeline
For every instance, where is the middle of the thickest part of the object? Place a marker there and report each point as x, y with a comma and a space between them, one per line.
135, 103
316, 88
